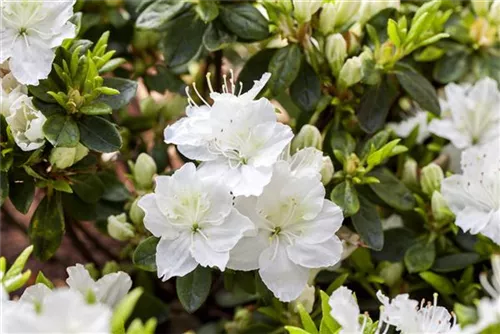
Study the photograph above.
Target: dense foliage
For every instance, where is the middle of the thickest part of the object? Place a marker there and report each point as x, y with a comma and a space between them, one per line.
267, 167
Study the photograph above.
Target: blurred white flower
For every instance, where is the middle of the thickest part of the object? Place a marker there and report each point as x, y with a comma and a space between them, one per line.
409, 317
471, 114
345, 310
61, 311
31, 30
370, 8
295, 232
238, 139
306, 299
109, 289
404, 128
195, 220
26, 123
303, 10
474, 196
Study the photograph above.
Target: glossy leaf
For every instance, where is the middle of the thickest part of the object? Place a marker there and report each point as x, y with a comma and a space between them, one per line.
193, 289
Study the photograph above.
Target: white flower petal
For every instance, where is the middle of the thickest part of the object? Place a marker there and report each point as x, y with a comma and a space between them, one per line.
205, 255
154, 220
173, 257
35, 294
79, 279
283, 277
223, 237
345, 310
245, 255
111, 288
324, 254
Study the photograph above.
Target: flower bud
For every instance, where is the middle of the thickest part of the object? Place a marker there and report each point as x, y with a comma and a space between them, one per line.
335, 52
306, 298
391, 272
481, 7
308, 136
93, 272
110, 267
409, 176
144, 39
371, 8
482, 32
64, 157
494, 14
119, 228
352, 164
430, 178
136, 213
337, 14
440, 209
327, 170
144, 170
351, 73
304, 9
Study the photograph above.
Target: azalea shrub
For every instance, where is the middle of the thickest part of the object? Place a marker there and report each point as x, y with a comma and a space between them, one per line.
270, 166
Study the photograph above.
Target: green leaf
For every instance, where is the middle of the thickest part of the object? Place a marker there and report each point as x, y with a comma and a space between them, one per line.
127, 89
18, 265
306, 320
375, 104
328, 324
394, 251
145, 254
123, 311
440, 283
306, 88
257, 65
420, 256
245, 21
21, 190
163, 80
284, 68
296, 330
391, 190
40, 278
193, 289
451, 68
96, 108
392, 32
99, 134
61, 131
179, 48
377, 157
368, 225
88, 187
4, 187
337, 283
418, 87
78, 209
46, 229
342, 141
455, 262
40, 91
374, 143
159, 13
207, 10
216, 37
112, 65
345, 195
114, 189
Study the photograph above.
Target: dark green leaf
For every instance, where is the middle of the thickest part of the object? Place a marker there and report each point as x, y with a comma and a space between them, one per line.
368, 225
342, 141
440, 283
284, 68
306, 88
394, 251
245, 21
346, 196
179, 48
159, 13
208, 10
455, 262
420, 256
88, 187
391, 190
47, 227
375, 104
127, 89
216, 37
149, 306
451, 68
48, 109
78, 209
257, 65
145, 254
4, 186
193, 289
96, 108
114, 189
163, 80
418, 87
22, 190
61, 131
99, 134
44, 86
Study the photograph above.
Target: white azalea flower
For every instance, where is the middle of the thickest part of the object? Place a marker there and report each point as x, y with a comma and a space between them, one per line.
474, 196
471, 114
370, 7
35, 294
345, 310
295, 232
109, 289
62, 311
305, 162
405, 127
409, 317
31, 30
237, 139
26, 123
195, 219
10, 90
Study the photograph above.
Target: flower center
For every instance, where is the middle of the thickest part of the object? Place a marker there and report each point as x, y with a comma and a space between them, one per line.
195, 227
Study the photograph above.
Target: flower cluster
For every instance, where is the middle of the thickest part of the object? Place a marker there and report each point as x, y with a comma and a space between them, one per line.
250, 205
85, 306
24, 119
